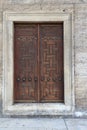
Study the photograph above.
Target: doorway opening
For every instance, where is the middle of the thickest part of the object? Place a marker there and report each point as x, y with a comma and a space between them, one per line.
38, 62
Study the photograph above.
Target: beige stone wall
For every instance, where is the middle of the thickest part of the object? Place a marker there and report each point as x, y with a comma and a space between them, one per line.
45, 1
81, 55
1, 58
80, 38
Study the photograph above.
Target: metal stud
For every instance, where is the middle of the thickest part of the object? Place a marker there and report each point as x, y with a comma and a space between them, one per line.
18, 79
54, 79
35, 79
29, 79
48, 79
23, 79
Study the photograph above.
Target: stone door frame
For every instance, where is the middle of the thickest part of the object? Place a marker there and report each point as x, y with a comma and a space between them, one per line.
9, 108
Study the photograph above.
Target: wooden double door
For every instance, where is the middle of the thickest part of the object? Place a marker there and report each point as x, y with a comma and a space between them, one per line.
38, 62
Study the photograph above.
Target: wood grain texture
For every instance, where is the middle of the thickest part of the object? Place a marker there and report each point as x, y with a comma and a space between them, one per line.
38, 62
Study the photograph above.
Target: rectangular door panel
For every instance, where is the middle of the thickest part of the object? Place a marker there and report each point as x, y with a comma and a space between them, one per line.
38, 62
25, 62
51, 63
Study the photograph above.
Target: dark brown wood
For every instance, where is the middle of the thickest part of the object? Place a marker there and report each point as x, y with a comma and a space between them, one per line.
51, 64
25, 62
38, 62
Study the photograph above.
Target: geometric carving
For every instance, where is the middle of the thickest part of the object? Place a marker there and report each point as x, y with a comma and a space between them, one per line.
38, 62
51, 46
25, 61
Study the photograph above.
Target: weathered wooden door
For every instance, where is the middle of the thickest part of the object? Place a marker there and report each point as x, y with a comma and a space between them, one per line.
38, 62
25, 62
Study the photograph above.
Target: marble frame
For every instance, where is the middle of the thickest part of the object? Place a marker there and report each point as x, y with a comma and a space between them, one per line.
9, 108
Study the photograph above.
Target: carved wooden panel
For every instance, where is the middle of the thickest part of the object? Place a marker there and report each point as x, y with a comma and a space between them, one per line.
25, 62
51, 62
38, 62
